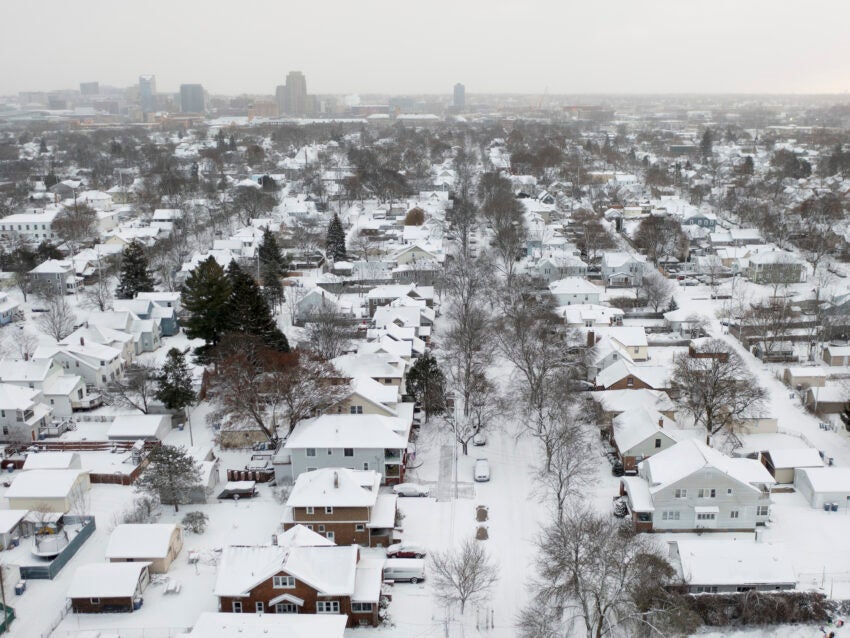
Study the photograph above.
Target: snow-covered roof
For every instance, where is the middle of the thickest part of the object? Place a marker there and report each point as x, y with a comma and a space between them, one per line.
336, 487
300, 536
151, 540
13, 397
52, 461
367, 580
43, 484
793, 458
142, 426
369, 365
225, 625
106, 580
734, 562
827, 479
349, 430
627, 400
640, 497
10, 518
654, 376
634, 427
574, 286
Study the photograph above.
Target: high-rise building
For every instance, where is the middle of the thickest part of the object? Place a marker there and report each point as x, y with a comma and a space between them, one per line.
459, 100
281, 98
191, 98
296, 94
89, 88
147, 93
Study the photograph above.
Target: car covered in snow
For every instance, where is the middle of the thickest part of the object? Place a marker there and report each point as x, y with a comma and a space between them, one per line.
479, 439
481, 470
411, 489
406, 550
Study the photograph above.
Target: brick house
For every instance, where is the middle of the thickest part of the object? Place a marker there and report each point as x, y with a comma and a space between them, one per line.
343, 505
300, 580
622, 375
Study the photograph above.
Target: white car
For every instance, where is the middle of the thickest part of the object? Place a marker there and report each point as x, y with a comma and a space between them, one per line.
481, 471
411, 489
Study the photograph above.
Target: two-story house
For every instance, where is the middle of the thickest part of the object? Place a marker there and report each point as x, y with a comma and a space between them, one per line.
383, 368
343, 505
97, 364
691, 487
639, 434
56, 275
355, 441
775, 267
23, 414
64, 393
299, 580
621, 269
557, 266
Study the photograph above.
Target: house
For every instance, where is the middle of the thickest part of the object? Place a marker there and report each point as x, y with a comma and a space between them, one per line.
632, 339
557, 266
784, 463
370, 397
147, 333
23, 414
226, 625
731, 566
638, 434
805, 377
34, 226
64, 393
149, 310
703, 220
622, 375
299, 580
53, 461
574, 290
616, 402
684, 322
385, 295
317, 299
47, 490
136, 427
692, 487
8, 309
621, 269
355, 441
97, 364
108, 587
122, 341
345, 505
417, 253
706, 348
157, 544
590, 315
60, 276
824, 485
383, 368
775, 267
10, 526
836, 354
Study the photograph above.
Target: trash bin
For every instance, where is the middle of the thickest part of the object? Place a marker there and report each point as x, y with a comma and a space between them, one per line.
137, 604
10, 468
826, 507
20, 587
835, 507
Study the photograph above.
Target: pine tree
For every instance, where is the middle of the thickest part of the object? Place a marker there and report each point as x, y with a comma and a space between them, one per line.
248, 312
335, 243
845, 416
174, 382
135, 276
427, 384
42, 148
171, 475
271, 259
205, 297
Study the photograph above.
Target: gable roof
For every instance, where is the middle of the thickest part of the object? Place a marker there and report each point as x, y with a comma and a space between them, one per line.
654, 376
149, 540
335, 487
106, 580
634, 427
226, 625
349, 430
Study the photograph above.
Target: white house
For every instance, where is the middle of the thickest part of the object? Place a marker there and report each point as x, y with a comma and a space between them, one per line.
33, 226
822, 485
574, 290
23, 414
97, 364
63, 392
621, 269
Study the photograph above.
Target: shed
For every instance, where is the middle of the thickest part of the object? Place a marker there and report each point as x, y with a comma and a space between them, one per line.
53, 461
133, 427
805, 377
47, 490
821, 485
155, 543
107, 587
783, 463
10, 524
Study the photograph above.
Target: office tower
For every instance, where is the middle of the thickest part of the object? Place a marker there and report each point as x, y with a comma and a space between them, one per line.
281, 98
89, 88
296, 94
191, 98
459, 101
147, 93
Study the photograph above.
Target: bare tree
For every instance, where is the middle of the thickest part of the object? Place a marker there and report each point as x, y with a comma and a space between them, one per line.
99, 294
657, 289
306, 385
329, 332
572, 464
76, 225
597, 576
136, 389
718, 389
20, 344
59, 320
463, 574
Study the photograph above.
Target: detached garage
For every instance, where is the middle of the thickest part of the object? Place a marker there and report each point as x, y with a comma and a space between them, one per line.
47, 490
133, 427
108, 587
821, 485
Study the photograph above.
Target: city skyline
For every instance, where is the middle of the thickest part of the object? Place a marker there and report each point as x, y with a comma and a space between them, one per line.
494, 47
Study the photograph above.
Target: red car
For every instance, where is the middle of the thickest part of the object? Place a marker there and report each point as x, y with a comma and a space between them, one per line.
406, 550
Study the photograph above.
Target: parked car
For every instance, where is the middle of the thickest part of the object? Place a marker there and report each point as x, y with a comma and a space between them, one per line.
411, 489
479, 439
688, 282
406, 550
404, 569
481, 471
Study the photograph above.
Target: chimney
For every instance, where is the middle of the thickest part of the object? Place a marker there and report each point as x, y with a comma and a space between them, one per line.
661, 421
82, 341
336, 480
274, 540
591, 339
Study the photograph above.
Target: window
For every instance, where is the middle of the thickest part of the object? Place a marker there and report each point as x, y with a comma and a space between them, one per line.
733, 514
681, 493
359, 528
5, 430
637, 349
236, 607
327, 607
706, 492
366, 467
322, 528
310, 527
285, 608
283, 582
310, 510
356, 409
311, 451
330, 452
741, 590
670, 516
311, 469
706, 516
705, 589
348, 451
329, 509
260, 607
729, 491
94, 601
630, 381
657, 443
762, 510
330, 536
361, 607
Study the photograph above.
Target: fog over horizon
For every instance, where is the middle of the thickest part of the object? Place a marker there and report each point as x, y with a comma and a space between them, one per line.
493, 46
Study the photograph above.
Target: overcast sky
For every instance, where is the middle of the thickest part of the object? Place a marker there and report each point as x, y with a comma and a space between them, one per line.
425, 46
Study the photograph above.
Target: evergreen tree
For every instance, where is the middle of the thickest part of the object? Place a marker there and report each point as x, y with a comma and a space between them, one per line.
174, 382
272, 266
135, 276
171, 475
42, 148
248, 312
335, 244
205, 297
427, 384
845, 416
706, 143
